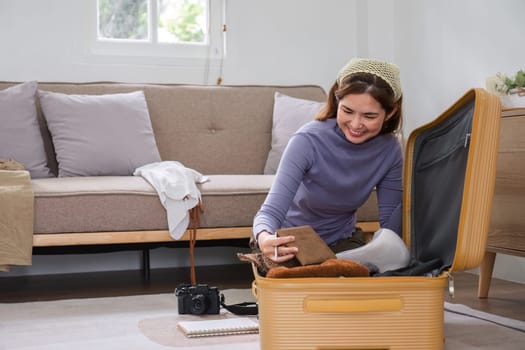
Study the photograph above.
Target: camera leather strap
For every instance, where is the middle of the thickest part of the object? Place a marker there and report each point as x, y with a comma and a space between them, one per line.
194, 225
246, 308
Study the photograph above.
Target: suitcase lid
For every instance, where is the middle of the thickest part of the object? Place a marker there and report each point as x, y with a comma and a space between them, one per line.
449, 176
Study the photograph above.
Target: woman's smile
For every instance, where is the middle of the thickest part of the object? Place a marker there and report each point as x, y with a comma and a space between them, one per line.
360, 117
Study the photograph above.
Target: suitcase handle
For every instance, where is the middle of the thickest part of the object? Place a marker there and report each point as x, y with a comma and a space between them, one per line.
352, 305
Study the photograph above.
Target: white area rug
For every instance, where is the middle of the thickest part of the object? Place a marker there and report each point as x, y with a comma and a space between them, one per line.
466, 329
149, 322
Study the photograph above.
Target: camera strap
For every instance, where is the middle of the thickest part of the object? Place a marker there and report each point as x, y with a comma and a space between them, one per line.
246, 308
194, 225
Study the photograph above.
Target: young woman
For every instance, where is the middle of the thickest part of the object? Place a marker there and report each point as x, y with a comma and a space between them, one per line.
331, 165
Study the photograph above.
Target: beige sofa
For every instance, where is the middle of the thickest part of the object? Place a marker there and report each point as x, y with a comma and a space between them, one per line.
224, 132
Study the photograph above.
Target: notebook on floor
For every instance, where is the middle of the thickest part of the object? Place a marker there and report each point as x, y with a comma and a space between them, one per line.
228, 326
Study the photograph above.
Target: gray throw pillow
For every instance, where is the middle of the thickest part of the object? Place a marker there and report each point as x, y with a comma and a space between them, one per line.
97, 135
20, 135
289, 114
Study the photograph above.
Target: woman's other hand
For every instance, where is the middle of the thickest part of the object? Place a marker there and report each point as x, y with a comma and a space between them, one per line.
271, 245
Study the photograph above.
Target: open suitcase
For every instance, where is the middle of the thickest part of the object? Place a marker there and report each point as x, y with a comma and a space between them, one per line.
449, 175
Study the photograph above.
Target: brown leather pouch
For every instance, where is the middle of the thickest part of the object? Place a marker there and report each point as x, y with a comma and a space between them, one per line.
312, 248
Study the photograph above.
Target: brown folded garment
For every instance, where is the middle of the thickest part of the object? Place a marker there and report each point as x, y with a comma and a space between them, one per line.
262, 263
329, 268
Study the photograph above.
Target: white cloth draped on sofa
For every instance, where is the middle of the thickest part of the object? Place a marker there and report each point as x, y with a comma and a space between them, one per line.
177, 190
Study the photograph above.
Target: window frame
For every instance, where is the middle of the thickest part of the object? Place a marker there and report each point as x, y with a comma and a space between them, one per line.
177, 53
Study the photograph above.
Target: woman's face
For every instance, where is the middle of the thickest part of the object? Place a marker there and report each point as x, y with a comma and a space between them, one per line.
360, 117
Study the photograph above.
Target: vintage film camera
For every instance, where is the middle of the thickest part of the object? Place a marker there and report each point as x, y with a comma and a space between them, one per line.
198, 300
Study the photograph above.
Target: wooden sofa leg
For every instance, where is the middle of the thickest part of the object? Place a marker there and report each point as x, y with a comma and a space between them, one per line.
145, 265
485, 274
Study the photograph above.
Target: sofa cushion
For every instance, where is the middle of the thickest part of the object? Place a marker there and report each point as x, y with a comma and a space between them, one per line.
127, 203
20, 136
99, 135
289, 114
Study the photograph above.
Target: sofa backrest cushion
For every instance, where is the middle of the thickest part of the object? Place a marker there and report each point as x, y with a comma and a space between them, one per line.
289, 114
99, 135
212, 129
20, 132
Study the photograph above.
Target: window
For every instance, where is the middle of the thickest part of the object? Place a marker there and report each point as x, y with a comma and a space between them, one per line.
172, 28
163, 21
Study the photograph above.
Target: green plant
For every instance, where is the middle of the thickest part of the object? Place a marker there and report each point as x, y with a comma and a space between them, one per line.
185, 25
503, 84
125, 19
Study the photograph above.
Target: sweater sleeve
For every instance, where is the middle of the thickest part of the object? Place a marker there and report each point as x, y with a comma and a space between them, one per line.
389, 195
295, 162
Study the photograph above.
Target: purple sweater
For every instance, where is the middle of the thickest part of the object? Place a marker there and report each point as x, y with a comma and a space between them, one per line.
323, 179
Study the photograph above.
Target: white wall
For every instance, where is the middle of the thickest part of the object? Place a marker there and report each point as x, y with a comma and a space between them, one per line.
268, 42
447, 47
442, 47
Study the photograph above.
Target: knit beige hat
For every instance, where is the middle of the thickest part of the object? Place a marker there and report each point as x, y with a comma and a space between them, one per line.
389, 72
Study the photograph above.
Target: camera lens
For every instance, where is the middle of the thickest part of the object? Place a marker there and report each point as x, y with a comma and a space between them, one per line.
198, 304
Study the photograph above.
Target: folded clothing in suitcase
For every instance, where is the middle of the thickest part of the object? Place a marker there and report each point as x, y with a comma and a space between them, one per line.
449, 175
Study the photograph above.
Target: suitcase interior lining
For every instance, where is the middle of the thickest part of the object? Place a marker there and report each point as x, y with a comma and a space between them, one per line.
438, 176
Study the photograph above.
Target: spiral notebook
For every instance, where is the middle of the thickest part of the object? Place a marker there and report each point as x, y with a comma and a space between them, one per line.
227, 326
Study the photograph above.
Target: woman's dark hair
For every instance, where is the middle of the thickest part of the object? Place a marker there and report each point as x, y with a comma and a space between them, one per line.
360, 83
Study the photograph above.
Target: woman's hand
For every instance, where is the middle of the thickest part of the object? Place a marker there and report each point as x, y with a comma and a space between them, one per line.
271, 245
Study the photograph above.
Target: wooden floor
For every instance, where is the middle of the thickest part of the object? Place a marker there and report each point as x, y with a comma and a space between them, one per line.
505, 298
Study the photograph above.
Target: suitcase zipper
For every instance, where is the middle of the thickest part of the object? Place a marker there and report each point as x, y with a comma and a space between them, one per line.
467, 140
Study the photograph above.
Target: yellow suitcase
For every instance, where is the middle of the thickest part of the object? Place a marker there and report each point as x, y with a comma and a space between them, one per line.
449, 175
